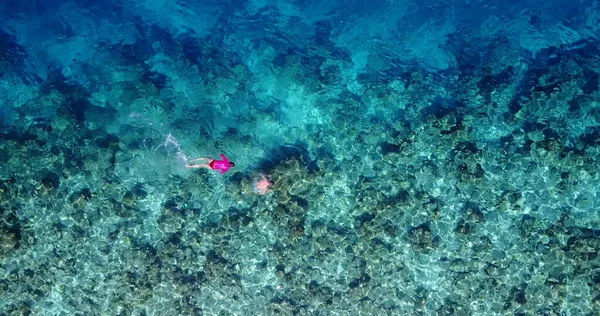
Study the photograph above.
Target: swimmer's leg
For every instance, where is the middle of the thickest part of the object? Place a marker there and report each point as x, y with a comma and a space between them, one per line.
201, 158
200, 165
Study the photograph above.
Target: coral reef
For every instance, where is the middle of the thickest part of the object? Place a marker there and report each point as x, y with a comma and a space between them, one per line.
423, 158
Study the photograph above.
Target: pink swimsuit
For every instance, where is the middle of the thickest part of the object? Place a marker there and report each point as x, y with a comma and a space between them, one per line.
222, 164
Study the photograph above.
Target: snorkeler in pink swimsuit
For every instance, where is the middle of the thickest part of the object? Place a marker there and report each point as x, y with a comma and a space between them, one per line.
224, 164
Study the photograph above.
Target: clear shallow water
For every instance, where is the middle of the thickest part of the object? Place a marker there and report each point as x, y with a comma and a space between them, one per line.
424, 158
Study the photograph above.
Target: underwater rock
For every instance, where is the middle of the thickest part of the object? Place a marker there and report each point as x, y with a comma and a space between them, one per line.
421, 237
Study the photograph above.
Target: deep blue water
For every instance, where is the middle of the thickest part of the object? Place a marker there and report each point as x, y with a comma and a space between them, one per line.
391, 157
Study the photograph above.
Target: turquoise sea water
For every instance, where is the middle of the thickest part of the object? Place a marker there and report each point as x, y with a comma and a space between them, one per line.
422, 157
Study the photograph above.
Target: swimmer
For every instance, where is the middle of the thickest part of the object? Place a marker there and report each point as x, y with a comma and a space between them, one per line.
224, 164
